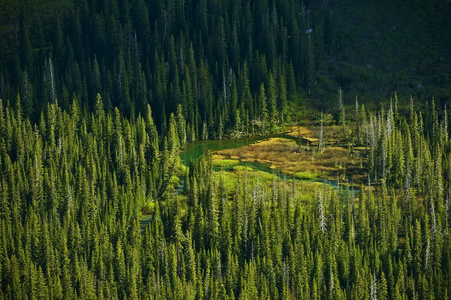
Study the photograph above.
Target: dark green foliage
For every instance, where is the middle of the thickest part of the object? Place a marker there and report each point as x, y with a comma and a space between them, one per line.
66, 202
165, 54
78, 171
137, 52
72, 190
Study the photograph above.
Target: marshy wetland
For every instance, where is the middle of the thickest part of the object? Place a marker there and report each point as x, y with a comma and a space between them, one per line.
292, 155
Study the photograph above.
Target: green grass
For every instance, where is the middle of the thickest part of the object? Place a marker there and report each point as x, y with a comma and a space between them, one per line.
224, 163
243, 169
306, 175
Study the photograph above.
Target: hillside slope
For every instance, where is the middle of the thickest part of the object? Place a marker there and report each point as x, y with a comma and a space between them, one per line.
386, 46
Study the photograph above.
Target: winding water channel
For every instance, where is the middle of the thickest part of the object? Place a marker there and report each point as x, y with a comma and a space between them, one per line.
193, 151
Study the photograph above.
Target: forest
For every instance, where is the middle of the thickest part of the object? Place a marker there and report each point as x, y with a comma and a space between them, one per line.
193, 149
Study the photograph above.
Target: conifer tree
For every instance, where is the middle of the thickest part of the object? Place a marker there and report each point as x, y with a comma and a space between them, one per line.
264, 110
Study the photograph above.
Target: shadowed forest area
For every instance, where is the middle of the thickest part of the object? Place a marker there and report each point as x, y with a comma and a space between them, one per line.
193, 149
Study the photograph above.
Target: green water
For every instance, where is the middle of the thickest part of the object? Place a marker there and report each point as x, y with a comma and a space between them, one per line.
144, 220
195, 150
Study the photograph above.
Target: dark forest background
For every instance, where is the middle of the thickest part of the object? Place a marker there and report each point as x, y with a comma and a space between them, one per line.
213, 56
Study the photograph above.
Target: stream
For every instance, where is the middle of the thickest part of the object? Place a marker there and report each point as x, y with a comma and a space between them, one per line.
193, 151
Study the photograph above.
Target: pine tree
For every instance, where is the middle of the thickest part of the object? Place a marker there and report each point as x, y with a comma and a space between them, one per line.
322, 212
181, 127
321, 137
264, 111
173, 136
342, 110
272, 102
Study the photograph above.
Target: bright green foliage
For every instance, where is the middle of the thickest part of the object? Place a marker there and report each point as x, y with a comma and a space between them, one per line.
70, 205
104, 94
262, 105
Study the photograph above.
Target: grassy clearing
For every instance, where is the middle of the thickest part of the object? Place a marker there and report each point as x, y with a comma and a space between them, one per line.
243, 169
304, 191
332, 133
224, 163
273, 151
242, 173
306, 175
336, 162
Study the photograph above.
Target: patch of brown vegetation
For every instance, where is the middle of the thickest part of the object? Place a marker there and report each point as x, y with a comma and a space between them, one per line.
332, 133
217, 157
283, 154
